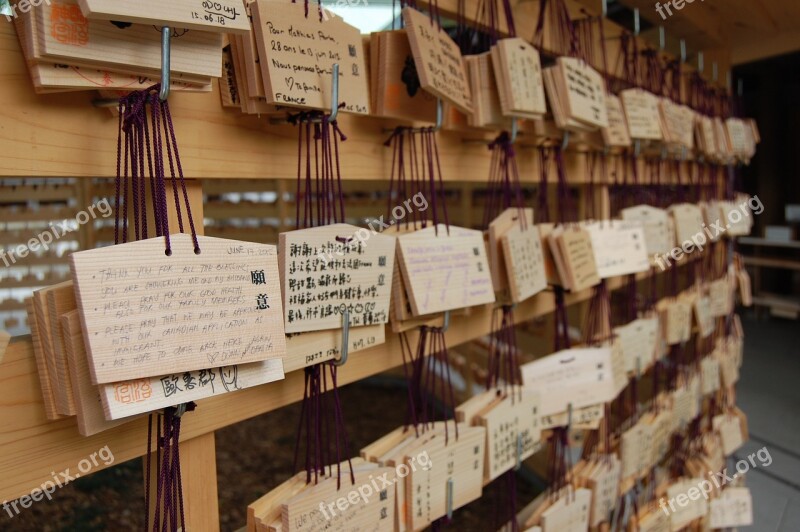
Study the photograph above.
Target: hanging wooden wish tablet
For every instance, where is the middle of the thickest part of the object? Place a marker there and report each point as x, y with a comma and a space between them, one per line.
619, 247
397, 87
445, 271
329, 269
639, 341
694, 509
297, 54
146, 314
438, 60
524, 261
570, 513
616, 134
574, 257
581, 377
65, 36
641, 112
733, 508
226, 16
512, 431
656, 227
688, 221
455, 476
518, 71
316, 508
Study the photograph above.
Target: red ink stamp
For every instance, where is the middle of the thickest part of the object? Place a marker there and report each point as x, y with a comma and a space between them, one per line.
68, 25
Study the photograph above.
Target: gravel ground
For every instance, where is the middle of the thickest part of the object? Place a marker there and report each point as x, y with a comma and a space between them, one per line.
252, 457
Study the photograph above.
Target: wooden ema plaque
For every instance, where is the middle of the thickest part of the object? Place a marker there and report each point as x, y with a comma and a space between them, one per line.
642, 115
226, 16
308, 349
602, 475
688, 221
460, 460
128, 398
639, 341
733, 508
497, 262
656, 227
512, 431
297, 54
322, 507
145, 314
695, 509
66, 36
524, 261
616, 134
445, 272
395, 83
93, 404
51, 77
584, 91
327, 270
581, 377
619, 247
570, 513
438, 60
572, 252
89, 408
42, 365
518, 70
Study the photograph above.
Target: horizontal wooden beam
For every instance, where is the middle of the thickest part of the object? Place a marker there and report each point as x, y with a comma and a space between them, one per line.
33, 447
65, 135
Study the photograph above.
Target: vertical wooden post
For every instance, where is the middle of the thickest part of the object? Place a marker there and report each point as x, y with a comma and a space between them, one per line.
198, 455
283, 207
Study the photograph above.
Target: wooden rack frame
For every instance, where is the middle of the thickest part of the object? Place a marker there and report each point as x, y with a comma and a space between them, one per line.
64, 135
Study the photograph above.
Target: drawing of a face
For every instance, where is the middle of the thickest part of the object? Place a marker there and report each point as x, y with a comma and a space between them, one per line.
230, 378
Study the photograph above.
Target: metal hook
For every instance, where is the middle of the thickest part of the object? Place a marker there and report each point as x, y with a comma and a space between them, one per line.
342, 360
446, 324
714, 71
565, 142
637, 148
166, 36
701, 63
334, 93
740, 86
519, 452
637, 22
605, 8
450, 498
166, 78
439, 115
683, 51
662, 38
514, 129
180, 410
